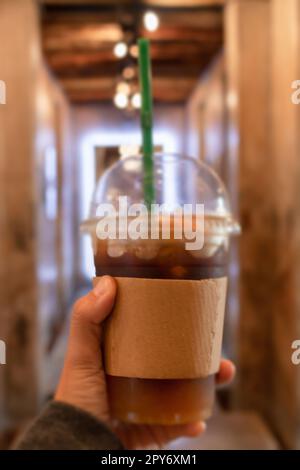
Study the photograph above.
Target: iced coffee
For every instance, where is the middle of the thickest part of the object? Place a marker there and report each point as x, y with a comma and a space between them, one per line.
160, 401
169, 400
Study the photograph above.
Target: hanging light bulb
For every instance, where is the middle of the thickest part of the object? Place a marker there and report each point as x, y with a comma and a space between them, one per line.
123, 87
136, 100
120, 49
151, 21
121, 100
129, 73
134, 51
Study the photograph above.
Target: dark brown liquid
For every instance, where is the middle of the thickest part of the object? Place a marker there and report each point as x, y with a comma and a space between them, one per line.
156, 401
172, 261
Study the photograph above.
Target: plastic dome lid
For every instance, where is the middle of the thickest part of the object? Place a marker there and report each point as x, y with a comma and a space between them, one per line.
177, 180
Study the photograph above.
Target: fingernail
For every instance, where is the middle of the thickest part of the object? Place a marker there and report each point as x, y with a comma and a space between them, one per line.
101, 286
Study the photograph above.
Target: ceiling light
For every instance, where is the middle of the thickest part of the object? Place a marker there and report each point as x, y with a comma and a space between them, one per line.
121, 100
136, 100
151, 21
120, 50
129, 73
134, 51
123, 87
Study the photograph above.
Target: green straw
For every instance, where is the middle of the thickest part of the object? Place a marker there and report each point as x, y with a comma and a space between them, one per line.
146, 119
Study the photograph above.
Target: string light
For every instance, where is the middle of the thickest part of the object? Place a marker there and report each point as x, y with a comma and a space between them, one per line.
129, 73
123, 87
151, 21
134, 51
120, 50
121, 100
136, 100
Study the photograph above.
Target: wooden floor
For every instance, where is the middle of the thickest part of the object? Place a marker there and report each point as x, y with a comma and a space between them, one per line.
231, 431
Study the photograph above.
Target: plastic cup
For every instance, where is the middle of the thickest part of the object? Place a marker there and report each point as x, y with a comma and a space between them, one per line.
180, 183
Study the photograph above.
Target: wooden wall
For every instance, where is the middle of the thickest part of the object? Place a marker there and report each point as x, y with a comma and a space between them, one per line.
55, 228
18, 68
205, 117
285, 148
262, 45
36, 274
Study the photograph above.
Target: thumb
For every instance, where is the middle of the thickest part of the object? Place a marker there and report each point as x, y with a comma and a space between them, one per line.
89, 312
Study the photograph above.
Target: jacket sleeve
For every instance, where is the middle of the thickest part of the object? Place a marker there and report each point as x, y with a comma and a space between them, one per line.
63, 427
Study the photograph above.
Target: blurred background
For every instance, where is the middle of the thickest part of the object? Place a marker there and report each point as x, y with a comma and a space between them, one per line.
223, 73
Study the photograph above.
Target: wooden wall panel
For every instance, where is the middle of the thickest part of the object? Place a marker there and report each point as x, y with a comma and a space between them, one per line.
262, 44
285, 147
205, 112
248, 85
18, 287
36, 274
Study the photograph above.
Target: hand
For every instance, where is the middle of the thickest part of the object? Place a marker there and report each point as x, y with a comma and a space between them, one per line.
83, 383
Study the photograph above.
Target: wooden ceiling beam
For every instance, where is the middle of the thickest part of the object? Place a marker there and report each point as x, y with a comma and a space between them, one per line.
94, 37
104, 88
58, 16
76, 37
88, 97
98, 83
184, 3
78, 45
195, 19
85, 2
156, 3
168, 53
174, 33
110, 69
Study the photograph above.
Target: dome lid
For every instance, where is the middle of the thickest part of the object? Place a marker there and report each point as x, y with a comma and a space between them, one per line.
178, 181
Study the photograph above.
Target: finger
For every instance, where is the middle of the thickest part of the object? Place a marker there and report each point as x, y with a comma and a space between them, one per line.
155, 437
165, 434
195, 429
89, 312
135, 436
147, 439
226, 372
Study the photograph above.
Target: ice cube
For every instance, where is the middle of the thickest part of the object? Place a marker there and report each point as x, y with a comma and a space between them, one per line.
178, 271
166, 251
211, 245
146, 250
206, 252
115, 249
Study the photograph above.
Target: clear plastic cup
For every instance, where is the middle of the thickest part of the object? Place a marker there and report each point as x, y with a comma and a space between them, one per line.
180, 182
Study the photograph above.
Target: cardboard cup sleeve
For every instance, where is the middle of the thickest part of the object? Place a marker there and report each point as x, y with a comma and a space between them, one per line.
165, 329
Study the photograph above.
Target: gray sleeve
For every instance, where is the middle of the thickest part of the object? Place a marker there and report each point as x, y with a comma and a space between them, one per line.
63, 427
